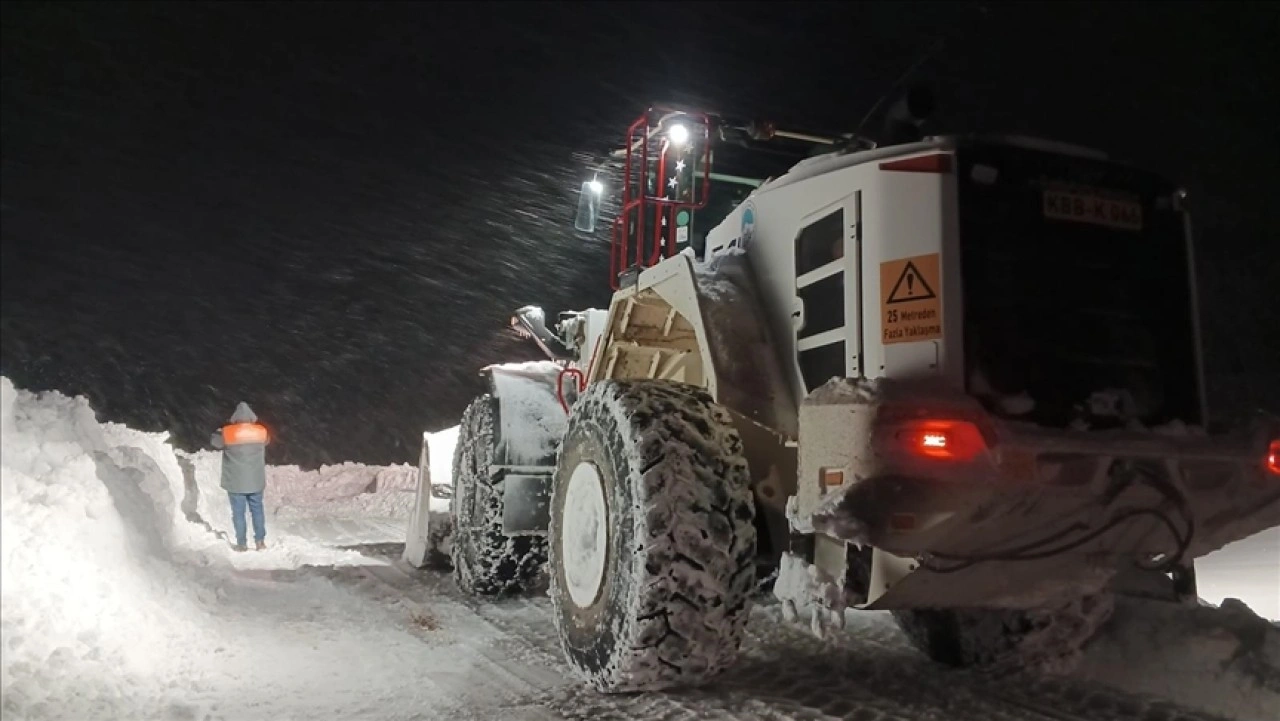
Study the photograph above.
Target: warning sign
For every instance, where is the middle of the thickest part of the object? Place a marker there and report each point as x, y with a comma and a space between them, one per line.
910, 304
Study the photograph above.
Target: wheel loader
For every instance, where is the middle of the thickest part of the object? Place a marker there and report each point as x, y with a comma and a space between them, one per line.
957, 378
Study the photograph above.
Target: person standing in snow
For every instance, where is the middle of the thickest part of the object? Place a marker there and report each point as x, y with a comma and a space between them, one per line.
243, 443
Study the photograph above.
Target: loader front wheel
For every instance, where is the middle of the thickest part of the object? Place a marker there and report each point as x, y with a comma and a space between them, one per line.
652, 539
1046, 639
486, 561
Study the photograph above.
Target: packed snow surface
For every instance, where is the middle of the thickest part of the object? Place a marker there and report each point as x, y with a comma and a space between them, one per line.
1225, 658
1248, 569
121, 599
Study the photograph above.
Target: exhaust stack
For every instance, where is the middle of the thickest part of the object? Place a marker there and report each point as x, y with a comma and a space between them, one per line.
903, 122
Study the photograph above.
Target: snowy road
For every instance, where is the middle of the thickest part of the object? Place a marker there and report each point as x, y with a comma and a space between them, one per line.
123, 600
1248, 570
503, 662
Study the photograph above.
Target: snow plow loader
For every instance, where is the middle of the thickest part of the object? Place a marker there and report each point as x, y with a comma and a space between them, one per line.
955, 378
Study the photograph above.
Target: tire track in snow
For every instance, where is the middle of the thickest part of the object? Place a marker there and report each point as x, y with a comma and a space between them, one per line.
866, 673
507, 662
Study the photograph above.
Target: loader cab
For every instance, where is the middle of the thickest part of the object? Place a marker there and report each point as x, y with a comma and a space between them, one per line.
726, 194
682, 174
1053, 284
1061, 289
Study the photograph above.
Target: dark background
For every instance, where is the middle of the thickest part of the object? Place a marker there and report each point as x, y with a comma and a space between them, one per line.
330, 210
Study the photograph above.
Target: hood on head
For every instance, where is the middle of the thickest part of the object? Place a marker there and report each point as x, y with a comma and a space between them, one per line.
244, 414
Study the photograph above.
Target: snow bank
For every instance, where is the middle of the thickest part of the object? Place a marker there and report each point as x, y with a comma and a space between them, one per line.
121, 601
346, 505
294, 487
1225, 660
339, 505
89, 532
1248, 569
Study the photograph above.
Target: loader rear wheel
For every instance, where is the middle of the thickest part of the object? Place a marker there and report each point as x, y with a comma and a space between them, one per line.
652, 537
486, 561
1047, 639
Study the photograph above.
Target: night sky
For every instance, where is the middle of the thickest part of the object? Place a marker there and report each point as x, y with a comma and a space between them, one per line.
329, 211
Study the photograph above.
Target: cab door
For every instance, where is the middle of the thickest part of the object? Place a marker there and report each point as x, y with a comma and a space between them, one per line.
827, 310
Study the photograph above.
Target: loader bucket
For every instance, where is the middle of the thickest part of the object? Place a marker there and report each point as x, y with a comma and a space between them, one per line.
430, 526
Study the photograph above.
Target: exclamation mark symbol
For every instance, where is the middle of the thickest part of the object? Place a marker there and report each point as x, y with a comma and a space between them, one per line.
911, 282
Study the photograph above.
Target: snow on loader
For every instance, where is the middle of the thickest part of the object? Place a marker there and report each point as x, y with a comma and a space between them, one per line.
956, 378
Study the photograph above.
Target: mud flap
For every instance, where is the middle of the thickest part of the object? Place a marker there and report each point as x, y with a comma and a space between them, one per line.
526, 499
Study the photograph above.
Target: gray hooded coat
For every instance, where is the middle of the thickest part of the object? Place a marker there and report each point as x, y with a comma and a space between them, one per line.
244, 458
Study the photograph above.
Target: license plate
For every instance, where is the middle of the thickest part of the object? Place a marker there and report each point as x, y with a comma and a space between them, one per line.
1084, 207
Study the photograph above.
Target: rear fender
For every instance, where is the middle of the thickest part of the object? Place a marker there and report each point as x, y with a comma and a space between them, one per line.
531, 423
526, 498
531, 420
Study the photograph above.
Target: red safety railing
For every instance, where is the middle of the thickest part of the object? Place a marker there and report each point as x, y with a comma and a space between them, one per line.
646, 204
580, 385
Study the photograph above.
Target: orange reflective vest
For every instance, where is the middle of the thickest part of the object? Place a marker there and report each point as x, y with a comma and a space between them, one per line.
238, 434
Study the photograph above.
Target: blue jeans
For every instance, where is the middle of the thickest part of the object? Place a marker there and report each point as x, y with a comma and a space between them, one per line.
254, 502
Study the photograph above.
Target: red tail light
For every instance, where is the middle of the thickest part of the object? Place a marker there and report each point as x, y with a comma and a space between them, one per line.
1273, 458
937, 163
945, 440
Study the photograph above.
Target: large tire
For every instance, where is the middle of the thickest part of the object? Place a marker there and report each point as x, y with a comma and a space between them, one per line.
486, 562
652, 538
1047, 640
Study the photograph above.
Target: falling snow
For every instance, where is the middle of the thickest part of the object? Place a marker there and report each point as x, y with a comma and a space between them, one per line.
205, 203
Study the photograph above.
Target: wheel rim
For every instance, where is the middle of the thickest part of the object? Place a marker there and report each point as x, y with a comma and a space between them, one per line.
584, 535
